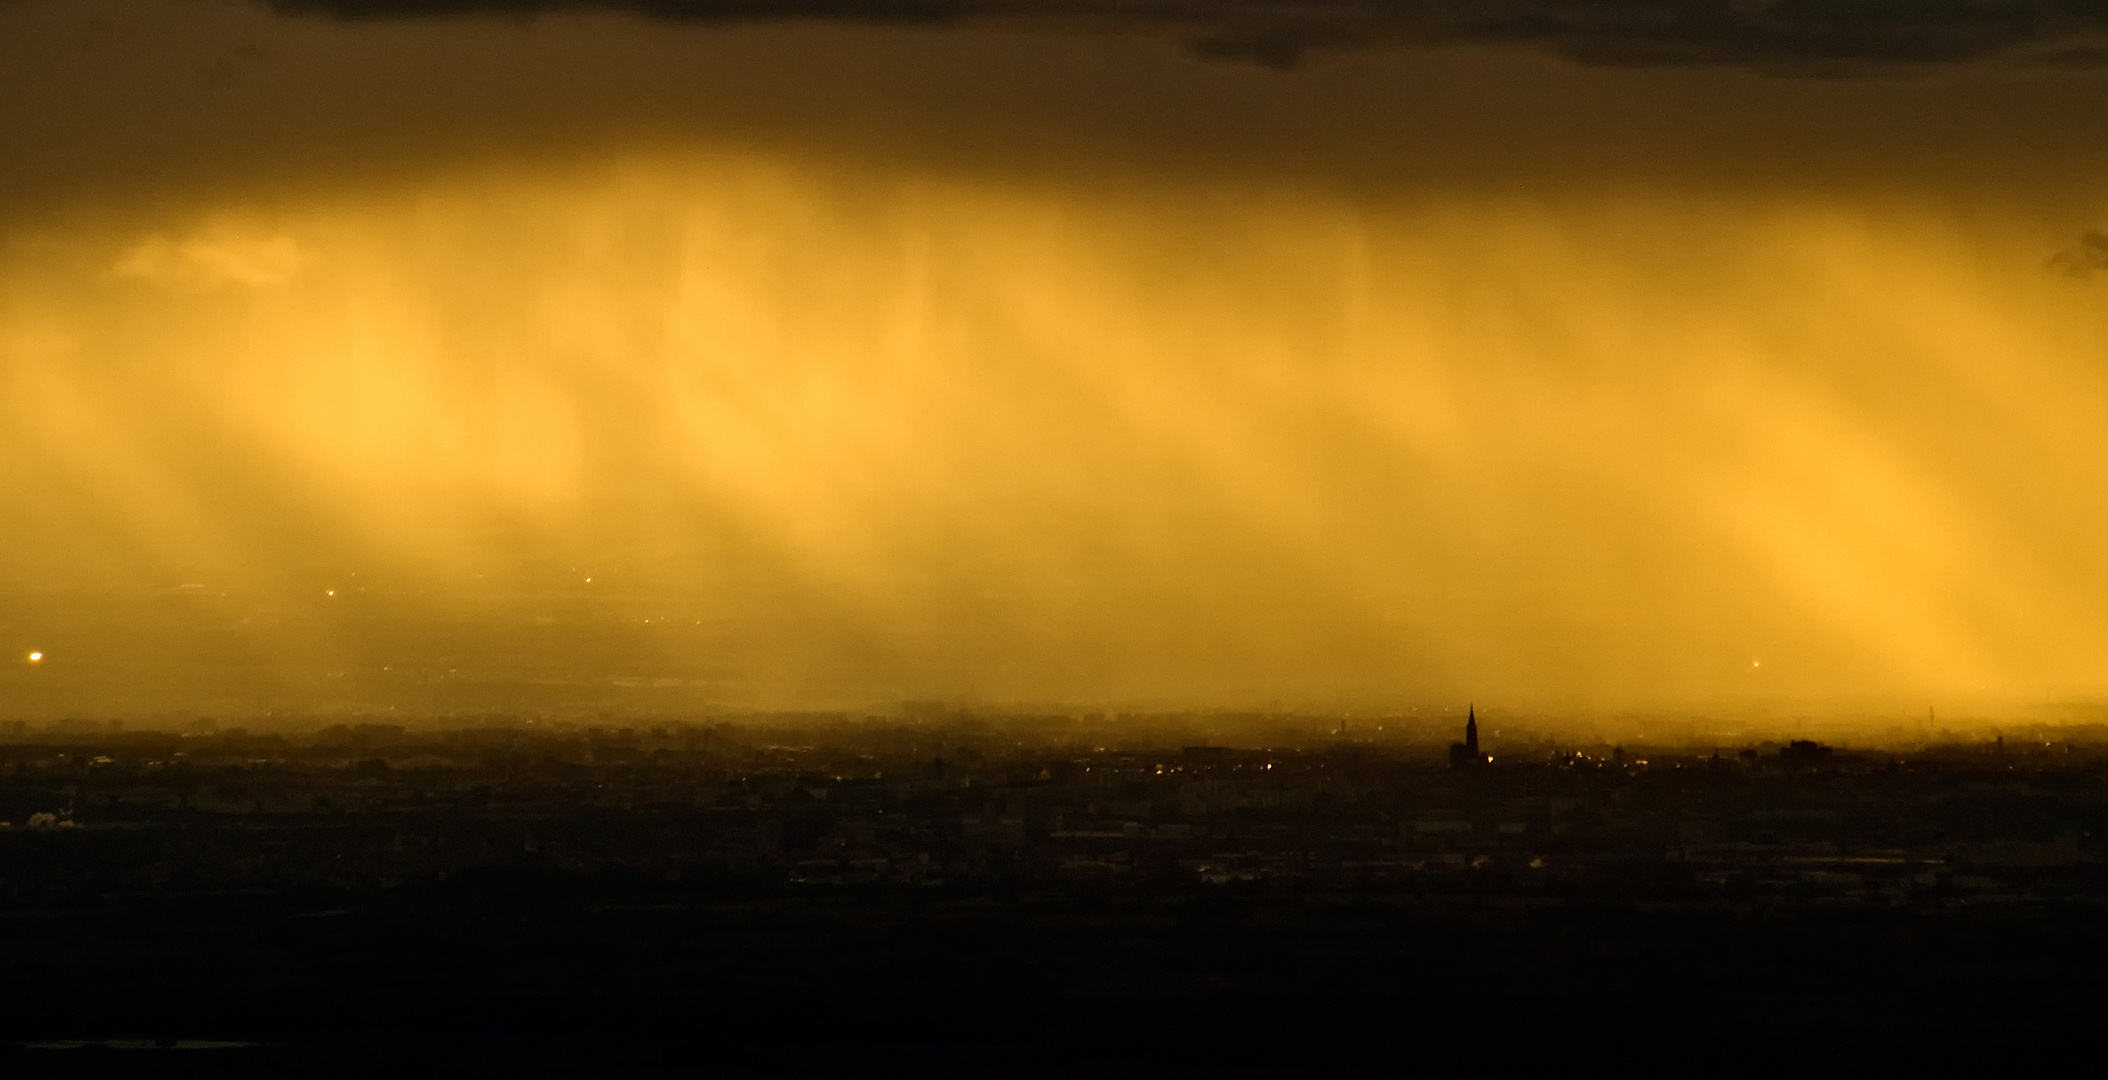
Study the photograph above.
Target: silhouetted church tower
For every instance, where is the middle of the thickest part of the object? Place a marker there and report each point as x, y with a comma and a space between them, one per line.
1465, 754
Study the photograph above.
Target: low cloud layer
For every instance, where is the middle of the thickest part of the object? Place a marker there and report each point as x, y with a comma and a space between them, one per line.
1779, 36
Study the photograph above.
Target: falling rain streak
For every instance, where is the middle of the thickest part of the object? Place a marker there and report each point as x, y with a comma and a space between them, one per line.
765, 426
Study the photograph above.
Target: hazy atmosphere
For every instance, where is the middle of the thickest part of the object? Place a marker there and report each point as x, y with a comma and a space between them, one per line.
368, 358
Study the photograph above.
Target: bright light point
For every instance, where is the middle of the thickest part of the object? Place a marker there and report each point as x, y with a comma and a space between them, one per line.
36, 658
1756, 663
331, 592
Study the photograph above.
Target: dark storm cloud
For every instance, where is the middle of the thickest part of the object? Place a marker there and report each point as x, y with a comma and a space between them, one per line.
1784, 36
2086, 256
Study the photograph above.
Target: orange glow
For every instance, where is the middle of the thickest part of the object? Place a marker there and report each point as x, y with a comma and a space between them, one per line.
666, 421
1264, 443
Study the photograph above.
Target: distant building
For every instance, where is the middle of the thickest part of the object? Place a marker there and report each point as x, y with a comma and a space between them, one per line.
1805, 752
1464, 755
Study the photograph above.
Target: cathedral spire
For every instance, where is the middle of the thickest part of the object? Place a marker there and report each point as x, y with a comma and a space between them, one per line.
1464, 755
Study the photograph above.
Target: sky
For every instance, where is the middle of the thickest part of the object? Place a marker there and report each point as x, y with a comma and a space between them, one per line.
385, 357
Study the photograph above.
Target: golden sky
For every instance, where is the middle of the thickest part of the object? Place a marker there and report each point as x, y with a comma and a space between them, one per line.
580, 361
